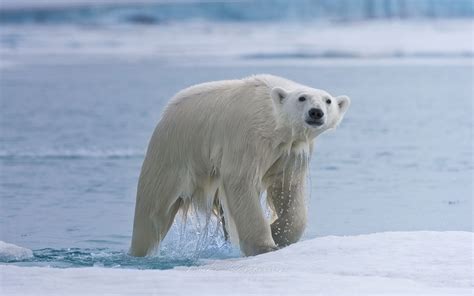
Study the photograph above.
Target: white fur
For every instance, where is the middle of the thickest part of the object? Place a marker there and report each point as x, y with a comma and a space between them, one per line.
233, 140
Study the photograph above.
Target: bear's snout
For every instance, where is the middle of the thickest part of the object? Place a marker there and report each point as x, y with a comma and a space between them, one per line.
315, 117
315, 113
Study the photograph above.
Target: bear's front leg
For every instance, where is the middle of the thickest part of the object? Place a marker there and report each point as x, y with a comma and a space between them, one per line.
287, 194
243, 205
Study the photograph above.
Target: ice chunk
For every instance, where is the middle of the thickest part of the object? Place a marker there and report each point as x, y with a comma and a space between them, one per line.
11, 252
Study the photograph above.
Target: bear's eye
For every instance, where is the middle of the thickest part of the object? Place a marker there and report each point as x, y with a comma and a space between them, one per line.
328, 101
301, 99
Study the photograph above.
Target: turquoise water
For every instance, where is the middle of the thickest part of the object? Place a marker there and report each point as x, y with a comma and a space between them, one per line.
167, 258
73, 137
76, 257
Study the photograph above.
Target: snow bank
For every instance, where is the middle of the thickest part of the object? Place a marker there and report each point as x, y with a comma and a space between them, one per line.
416, 263
10, 252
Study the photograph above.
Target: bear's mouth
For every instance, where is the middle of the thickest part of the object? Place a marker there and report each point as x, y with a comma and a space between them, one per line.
315, 123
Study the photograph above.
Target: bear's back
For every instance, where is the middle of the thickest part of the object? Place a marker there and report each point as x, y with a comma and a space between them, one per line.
228, 111
255, 86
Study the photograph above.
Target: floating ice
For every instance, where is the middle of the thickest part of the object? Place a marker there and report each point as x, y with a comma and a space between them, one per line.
10, 252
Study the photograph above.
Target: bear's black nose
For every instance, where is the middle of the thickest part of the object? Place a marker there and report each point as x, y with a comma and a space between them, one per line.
315, 113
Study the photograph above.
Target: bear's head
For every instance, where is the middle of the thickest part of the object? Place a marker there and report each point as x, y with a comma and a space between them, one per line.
307, 110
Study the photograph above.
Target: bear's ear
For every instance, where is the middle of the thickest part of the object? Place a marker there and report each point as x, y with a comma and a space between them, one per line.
278, 95
343, 102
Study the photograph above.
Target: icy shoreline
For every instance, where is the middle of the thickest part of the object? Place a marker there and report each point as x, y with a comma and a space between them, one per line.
393, 262
194, 41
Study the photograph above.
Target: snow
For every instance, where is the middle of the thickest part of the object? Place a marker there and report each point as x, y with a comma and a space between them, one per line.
10, 252
413, 263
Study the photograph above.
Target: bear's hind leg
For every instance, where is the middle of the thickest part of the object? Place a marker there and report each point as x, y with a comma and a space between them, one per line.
148, 233
154, 212
145, 235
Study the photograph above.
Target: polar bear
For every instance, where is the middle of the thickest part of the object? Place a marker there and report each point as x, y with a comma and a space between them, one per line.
230, 141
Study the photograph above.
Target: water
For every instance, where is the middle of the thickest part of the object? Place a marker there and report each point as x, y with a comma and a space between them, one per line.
73, 137
167, 258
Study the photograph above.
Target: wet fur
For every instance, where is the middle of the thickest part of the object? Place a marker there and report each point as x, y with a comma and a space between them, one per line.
222, 145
